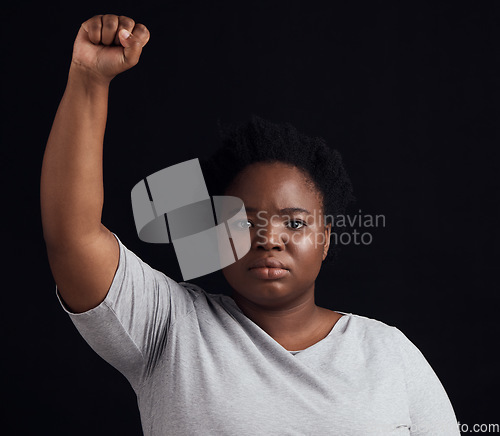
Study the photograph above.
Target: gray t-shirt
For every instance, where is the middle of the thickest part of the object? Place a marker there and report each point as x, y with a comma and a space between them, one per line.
199, 366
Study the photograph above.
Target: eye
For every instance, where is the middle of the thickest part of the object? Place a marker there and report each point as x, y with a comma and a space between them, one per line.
295, 222
241, 224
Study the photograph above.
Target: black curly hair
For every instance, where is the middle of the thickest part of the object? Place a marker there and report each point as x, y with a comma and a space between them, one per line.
259, 140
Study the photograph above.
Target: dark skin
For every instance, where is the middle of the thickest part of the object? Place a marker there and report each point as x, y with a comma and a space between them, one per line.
283, 307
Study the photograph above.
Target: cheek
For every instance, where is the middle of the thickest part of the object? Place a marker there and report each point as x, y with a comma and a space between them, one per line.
307, 245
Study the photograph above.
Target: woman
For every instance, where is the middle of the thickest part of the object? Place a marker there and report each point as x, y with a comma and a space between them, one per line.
265, 360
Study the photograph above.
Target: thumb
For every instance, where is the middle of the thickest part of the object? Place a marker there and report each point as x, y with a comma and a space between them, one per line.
132, 47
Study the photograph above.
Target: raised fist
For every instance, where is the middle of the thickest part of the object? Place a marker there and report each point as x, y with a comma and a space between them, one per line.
107, 45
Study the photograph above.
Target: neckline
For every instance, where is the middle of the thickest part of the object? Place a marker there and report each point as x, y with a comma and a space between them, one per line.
334, 328
321, 340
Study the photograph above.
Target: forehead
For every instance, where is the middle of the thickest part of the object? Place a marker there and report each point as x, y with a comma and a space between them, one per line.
274, 186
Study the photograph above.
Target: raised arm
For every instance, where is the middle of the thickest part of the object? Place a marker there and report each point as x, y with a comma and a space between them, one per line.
83, 254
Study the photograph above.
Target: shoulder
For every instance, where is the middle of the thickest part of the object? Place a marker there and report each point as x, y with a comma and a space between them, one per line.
376, 336
202, 298
197, 291
368, 328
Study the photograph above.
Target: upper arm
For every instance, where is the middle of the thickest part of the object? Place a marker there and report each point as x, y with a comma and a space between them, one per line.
84, 269
431, 411
121, 306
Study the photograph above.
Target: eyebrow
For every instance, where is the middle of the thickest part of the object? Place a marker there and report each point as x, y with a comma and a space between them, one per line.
286, 210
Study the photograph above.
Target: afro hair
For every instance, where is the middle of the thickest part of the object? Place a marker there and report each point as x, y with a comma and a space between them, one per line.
259, 140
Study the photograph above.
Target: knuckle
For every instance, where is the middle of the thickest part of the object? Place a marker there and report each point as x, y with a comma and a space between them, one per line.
94, 25
126, 22
95, 19
88, 23
141, 29
109, 20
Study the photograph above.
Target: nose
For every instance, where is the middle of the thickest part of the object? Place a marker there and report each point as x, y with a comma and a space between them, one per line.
269, 238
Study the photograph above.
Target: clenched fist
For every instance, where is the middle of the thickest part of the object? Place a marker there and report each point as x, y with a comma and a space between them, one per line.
107, 45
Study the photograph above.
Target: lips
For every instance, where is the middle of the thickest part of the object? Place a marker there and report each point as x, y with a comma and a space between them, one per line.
268, 262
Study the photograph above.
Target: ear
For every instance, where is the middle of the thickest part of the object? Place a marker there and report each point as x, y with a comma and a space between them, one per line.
328, 229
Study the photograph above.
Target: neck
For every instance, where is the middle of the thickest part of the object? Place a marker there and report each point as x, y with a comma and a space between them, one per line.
293, 324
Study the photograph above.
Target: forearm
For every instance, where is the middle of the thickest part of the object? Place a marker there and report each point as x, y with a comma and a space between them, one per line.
71, 189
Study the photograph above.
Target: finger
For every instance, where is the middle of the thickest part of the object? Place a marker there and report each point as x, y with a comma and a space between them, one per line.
125, 23
142, 33
109, 28
133, 43
93, 28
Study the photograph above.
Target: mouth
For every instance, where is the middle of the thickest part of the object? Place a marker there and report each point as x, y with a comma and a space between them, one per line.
268, 262
269, 273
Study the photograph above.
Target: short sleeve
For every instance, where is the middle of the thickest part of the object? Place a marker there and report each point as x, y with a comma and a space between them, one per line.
431, 412
130, 327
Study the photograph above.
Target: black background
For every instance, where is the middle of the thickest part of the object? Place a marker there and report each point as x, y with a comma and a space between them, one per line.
407, 94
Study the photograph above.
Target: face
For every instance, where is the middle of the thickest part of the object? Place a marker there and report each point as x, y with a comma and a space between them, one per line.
296, 238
